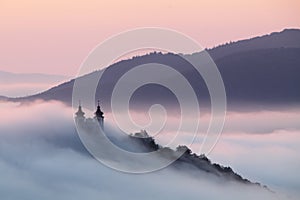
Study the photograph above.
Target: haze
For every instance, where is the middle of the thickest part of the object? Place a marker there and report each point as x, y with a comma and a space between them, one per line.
45, 161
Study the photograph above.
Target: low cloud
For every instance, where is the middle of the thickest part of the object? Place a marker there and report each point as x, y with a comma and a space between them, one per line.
272, 159
41, 157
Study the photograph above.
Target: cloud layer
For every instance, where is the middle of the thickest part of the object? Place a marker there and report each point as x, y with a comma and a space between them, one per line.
41, 157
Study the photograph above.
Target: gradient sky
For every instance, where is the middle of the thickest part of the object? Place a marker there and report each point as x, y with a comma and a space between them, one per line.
54, 36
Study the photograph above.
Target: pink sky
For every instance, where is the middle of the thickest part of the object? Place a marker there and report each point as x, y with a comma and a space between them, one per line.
55, 36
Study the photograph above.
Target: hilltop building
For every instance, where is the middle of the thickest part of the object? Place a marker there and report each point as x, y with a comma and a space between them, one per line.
81, 120
99, 116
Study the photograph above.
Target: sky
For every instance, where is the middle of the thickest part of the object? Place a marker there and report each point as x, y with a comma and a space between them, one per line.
54, 37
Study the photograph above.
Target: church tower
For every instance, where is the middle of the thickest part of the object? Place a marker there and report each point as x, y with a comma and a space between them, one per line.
99, 116
79, 118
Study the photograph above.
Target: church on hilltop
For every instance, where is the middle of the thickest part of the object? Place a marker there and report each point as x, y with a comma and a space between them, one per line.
81, 120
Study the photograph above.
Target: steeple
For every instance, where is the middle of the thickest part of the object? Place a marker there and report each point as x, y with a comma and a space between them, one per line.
99, 115
79, 114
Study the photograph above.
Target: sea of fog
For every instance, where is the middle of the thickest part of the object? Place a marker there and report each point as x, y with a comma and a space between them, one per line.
42, 157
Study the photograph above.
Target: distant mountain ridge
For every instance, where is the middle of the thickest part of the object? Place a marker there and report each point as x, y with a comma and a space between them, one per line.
262, 71
9, 77
288, 38
3, 98
21, 84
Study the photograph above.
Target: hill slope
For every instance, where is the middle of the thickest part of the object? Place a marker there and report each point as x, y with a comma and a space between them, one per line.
261, 71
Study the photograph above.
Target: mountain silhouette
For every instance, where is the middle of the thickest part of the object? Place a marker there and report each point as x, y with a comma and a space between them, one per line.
288, 38
8, 77
262, 71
